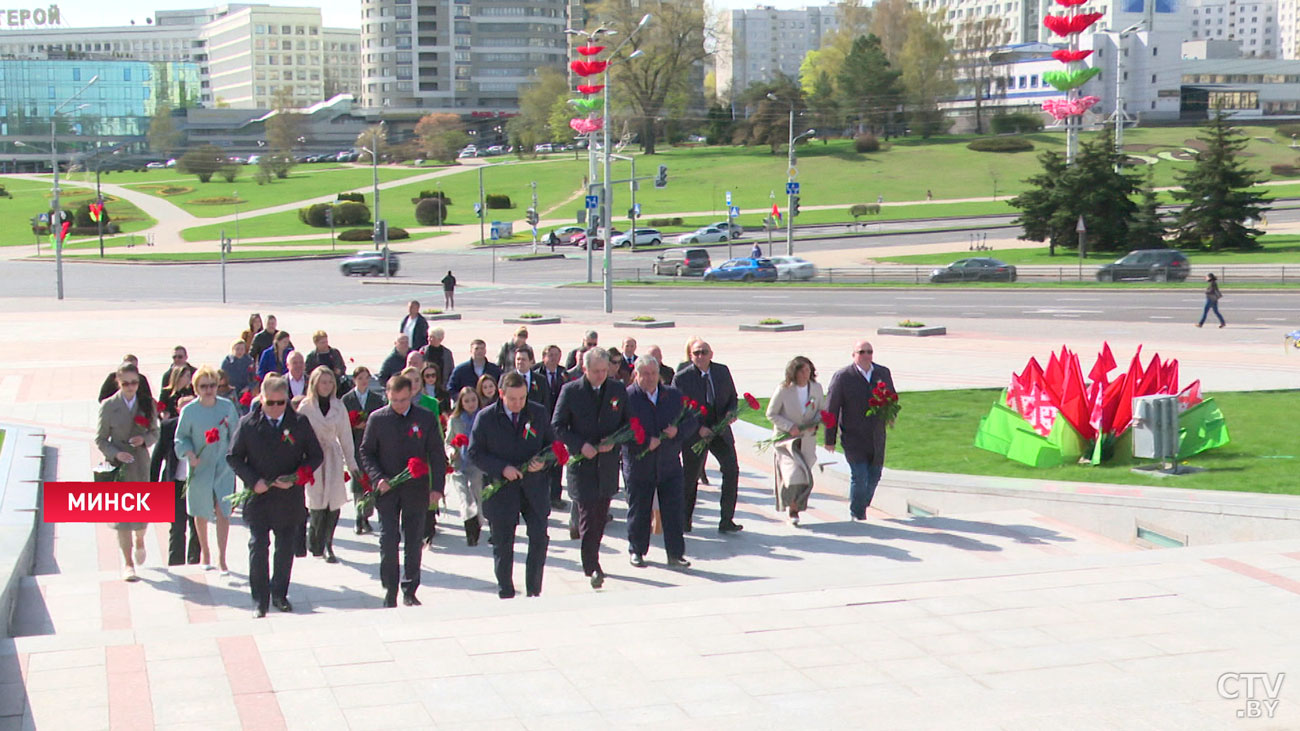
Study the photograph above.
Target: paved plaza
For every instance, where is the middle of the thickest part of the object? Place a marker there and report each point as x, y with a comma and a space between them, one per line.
995, 619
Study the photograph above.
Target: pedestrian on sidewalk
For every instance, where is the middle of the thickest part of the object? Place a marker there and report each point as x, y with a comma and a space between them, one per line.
756, 252
795, 410
863, 435
127, 429
326, 496
449, 290
210, 479
1212, 297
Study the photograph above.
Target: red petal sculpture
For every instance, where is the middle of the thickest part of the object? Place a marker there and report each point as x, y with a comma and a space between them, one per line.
1066, 56
1070, 3
588, 68
1064, 25
593, 50
590, 88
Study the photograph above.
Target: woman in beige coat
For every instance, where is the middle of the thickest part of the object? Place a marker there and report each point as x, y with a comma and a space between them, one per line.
325, 497
128, 428
795, 409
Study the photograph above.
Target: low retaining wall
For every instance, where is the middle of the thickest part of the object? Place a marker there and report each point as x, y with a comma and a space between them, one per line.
22, 464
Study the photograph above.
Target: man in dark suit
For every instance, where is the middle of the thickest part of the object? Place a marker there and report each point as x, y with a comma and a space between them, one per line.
268, 448
710, 384
395, 434
165, 466
109, 386
509, 433
588, 411
539, 391
549, 370
589, 341
395, 361
660, 471
440, 355
365, 402
468, 373
666, 371
864, 436
414, 326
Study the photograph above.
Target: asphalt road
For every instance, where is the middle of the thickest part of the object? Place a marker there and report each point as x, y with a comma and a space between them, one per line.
527, 286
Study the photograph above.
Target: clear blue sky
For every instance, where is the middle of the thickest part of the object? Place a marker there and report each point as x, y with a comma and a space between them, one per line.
345, 13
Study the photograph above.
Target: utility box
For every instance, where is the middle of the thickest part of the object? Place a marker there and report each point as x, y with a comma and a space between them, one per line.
1155, 427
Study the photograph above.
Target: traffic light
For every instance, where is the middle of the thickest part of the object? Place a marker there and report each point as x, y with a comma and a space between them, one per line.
661, 180
794, 206
381, 232
532, 217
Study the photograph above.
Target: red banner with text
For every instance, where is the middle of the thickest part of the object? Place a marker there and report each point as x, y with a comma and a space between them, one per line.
109, 502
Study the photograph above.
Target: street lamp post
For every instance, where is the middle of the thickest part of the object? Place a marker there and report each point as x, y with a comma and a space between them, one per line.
1120, 116
606, 207
789, 178
374, 172
56, 220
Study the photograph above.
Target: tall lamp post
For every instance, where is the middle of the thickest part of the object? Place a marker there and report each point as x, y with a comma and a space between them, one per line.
789, 178
606, 207
374, 172
1119, 117
57, 221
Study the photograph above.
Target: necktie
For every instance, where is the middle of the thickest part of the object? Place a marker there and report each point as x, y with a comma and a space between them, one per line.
514, 421
708, 389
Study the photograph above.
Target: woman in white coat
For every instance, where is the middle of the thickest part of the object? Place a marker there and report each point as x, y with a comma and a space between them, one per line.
795, 409
326, 496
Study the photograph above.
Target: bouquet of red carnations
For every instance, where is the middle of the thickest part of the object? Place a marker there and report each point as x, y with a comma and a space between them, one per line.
304, 476
750, 402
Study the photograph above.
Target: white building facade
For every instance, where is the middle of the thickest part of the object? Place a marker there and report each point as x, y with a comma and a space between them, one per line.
760, 44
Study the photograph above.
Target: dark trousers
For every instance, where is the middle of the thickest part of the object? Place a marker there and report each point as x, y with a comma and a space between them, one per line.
502, 513
693, 465
863, 478
592, 516
176, 553
266, 584
320, 530
358, 491
640, 510
557, 488
300, 538
401, 517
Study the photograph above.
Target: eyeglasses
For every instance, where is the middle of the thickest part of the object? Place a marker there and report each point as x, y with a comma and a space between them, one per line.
277, 402
128, 383
178, 356
206, 385
699, 352
866, 352
431, 376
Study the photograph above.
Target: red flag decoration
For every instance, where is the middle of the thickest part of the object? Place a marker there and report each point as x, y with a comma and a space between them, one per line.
590, 88
1104, 364
1190, 396
588, 68
589, 50
63, 230
776, 213
1064, 25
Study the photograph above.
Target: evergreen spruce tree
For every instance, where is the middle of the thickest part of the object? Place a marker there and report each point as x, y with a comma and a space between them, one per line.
1090, 188
1220, 204
1148, 228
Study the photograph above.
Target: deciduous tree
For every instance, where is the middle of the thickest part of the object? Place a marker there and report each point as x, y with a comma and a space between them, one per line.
441, 136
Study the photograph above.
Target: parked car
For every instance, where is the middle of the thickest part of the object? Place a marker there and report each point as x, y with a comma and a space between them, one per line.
467, 153
495, 150
1157, 265
644, 237
976, 269
595, 239
744, 270
682, 262
171, 163
704, 235
156, 165
566, 234
794, 268
369, 262
736, 229
544, 147
254, 159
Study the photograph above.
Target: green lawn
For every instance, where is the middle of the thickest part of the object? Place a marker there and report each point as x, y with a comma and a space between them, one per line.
32, 197
1276, 249
936, 433
201, 256
305, 182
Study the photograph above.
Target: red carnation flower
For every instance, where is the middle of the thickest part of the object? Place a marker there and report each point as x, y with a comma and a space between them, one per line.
561, 452
347, 476
450, 470
638, 431
246, 399
306, 476
753, 402
142, 421
417, 467
880, 387
704, 410
828, 419
212, 436
365, 483
356, 419
874, 402
460, 440
893, 397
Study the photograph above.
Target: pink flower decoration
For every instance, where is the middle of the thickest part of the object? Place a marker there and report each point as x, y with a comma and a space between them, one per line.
582, 126
1062, 108
588, 68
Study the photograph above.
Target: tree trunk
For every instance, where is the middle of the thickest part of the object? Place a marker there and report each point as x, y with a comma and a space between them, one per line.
648, 136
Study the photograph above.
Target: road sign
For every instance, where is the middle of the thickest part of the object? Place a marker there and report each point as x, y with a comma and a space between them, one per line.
793, 172
735, 210
592, 202
728, 198
478, 209
792, 188
637, 208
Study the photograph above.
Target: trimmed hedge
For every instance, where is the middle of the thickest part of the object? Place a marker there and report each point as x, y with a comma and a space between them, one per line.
658, 222
354, 197
863, 209
426, 194
1019, 122
498, 200
345, 214
368, 234
1285, 170
1001, 144
866, 142
431, 212
1288, 130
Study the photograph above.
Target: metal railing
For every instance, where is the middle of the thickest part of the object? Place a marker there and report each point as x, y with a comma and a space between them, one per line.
903, 274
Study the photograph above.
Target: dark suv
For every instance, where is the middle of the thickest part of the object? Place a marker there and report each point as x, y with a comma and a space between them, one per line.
1157, 265
682, 262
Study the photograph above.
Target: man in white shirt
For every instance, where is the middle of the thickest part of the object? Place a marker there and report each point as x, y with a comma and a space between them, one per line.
297, 375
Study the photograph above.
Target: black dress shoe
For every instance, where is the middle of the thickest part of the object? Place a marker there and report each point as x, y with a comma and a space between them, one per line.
679, 562
559, 504
636, 560
598, 579
390, 599
408, 598
534, 593
730, 527
506, 594
574, 534
687, 528
282, 604
259, 612
330, 557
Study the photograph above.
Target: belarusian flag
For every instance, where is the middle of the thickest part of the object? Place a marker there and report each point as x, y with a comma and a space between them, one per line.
776, 213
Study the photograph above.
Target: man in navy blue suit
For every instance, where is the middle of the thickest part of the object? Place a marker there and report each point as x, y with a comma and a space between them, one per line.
659, 472
468, 373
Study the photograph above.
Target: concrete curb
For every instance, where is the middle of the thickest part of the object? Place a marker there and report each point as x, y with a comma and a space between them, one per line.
915, 332
655, 325
785, 327
552, 320
118, 262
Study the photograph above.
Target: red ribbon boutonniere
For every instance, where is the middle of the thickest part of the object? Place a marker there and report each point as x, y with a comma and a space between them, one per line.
415, 430
287, 436
529, 431
613, 404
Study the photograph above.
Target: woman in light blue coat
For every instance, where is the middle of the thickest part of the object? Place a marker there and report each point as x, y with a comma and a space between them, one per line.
211, 480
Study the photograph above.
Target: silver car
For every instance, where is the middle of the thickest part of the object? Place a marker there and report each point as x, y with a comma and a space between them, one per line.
704, 235
792, 268
644, 237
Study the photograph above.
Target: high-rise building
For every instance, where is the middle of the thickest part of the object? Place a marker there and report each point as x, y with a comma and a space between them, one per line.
1251, 23
760, 44
466, 56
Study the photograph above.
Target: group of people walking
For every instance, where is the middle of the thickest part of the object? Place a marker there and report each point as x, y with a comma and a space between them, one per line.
503, 437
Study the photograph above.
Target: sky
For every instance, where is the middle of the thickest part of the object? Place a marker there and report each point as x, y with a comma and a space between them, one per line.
339, 13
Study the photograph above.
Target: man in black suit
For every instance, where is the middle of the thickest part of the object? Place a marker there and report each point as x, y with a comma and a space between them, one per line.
394, 434
109, 387
588, 411
395, 361
365, 402
414, 326
710, 384
666, 371
268, 448
165, 466
440, 355
660, 471
864, 436
539, 392
589, 341
549, 370
512, 432
468, 373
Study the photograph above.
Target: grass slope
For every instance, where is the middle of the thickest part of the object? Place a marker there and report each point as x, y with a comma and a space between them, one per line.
32, 197
1276, 249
